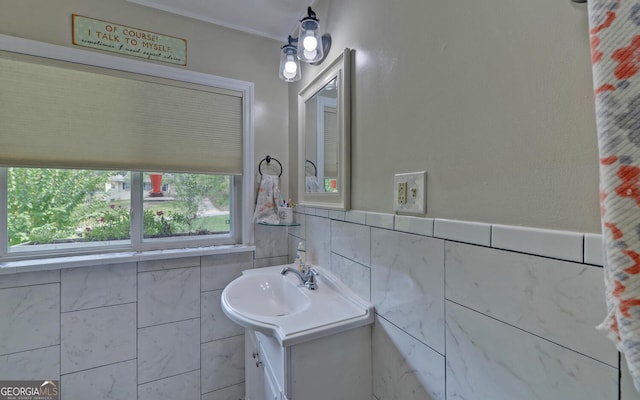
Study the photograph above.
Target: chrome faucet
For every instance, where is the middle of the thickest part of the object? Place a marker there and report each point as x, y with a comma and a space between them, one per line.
307, 276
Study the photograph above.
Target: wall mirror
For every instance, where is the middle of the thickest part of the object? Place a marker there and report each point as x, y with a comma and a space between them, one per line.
324, 130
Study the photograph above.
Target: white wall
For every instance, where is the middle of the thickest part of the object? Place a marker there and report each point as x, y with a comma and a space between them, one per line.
210, 49
492, 98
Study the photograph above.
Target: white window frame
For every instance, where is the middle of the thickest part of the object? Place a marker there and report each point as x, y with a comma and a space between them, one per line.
241, 186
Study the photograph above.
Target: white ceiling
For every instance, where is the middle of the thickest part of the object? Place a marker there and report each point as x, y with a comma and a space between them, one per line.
275, 19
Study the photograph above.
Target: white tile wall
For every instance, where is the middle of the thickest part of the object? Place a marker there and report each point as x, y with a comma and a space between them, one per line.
271, 261
318, 243
31, 364
110, 382
218, 271
339, 215
293, 248
28, 279
101, 346
550, 301
351, 241
234, 392
298, 231
403, 367
169, 349
168, 296
593, 249
95, 337
549, 243
487, 359
627, 389
380, 220
356, 276
356, 217
215, 324
463, 231
407, 284
271, 241
183, 386
420, 226
106, 285
30, 317
558, 300
222, 363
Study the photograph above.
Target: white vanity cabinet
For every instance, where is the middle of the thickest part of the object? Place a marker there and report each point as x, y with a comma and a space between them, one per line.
301, 343
259, 376
337, 366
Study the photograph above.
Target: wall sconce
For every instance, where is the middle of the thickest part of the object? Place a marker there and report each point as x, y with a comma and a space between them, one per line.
289, 64
311, 48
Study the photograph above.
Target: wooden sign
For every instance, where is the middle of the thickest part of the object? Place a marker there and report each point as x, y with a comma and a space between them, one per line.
102, 35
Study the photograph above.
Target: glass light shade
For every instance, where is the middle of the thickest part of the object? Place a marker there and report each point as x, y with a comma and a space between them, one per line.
310, 41
289, 64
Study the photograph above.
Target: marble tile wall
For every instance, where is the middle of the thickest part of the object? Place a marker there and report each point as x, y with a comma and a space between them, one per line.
457, 317
488, 359
466, 312
146, 330
272, 246
550, 298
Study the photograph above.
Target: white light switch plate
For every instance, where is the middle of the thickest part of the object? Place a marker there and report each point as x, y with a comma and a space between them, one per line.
415, 201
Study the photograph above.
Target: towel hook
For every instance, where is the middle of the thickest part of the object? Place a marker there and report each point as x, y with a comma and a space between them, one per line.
268, 159
315, 169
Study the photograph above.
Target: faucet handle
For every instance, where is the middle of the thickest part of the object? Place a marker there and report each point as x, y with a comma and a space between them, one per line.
311, 281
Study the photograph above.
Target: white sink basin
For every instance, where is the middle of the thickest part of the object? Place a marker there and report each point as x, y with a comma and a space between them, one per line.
265, 295
279, 305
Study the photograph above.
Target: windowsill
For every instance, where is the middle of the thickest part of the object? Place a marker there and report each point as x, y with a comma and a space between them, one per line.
57, 263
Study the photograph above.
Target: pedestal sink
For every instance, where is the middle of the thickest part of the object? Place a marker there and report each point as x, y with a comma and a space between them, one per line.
278, 305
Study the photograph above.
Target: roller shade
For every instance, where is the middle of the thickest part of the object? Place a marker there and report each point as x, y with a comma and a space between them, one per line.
56, 114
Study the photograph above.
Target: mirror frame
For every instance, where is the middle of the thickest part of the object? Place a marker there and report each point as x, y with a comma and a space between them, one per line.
340, 200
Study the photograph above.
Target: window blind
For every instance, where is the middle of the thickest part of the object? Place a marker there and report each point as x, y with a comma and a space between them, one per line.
58, 114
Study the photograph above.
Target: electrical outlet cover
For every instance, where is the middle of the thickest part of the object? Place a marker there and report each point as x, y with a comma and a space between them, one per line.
416, 193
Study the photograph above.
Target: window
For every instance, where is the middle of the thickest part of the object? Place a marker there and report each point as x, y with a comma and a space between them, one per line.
62, 208
177, 181
186, 205
55, 206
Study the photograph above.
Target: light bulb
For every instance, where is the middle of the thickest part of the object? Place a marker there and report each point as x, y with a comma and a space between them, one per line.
290, 66
288, 75
310, 43
309, 55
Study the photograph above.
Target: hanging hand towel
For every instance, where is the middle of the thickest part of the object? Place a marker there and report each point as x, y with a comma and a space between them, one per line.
267, 201
615, 55
313, 185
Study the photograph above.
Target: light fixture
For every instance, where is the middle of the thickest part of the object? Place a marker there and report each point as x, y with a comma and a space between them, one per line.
309, 36
310, 47
289, 64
